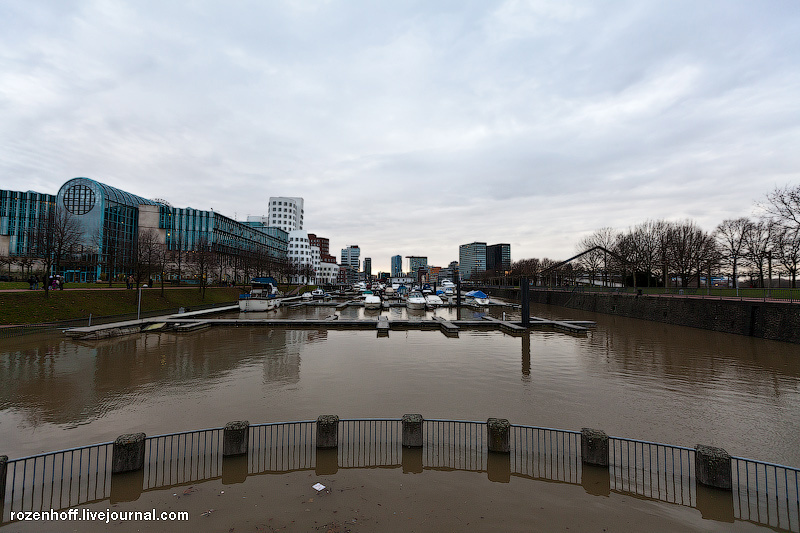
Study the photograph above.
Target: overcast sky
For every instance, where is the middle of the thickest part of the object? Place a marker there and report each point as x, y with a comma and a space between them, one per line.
411, 127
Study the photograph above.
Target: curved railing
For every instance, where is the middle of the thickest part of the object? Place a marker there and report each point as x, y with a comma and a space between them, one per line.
762, 493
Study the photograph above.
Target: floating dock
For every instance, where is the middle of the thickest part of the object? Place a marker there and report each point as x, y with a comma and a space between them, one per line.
197, 320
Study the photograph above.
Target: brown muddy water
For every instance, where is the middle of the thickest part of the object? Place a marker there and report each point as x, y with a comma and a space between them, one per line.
630, 378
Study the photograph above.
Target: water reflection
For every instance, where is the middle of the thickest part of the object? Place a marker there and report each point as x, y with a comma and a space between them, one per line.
630, 378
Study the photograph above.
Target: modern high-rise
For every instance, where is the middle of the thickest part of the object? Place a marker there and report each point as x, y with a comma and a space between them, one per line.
285, 212
498, 258
351, 257
368, 267
472, 259
415, 262
397, 265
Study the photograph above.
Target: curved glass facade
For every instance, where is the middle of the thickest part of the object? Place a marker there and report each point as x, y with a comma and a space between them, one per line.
110, 220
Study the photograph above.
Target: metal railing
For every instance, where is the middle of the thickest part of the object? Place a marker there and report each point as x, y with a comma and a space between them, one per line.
763, 493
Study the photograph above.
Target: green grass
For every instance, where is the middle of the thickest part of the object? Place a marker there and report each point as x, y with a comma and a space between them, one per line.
31, 307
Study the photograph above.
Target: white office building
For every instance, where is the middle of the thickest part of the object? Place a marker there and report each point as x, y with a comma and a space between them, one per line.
301, 256
285, 212
327, 271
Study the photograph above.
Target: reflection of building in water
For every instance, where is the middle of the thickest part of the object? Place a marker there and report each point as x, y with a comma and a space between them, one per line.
50, 379
282, 365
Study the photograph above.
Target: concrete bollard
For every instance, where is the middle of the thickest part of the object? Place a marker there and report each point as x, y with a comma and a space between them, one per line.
412, 431
499, 435
3, 472
327, 431
128, 453
235, 438
712, 467
594, 447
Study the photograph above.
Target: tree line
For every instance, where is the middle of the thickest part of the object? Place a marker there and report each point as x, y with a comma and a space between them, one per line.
663, 252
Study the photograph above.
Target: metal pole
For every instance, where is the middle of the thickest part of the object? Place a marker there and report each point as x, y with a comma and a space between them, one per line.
526, 312
139, 306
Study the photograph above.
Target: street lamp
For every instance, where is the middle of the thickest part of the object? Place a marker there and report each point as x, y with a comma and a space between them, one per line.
139, 306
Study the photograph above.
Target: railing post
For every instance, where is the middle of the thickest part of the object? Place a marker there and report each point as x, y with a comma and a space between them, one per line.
235, 438
3, 472
712, 467
594, 447
128, 453
412, 431
328, 431
499, 433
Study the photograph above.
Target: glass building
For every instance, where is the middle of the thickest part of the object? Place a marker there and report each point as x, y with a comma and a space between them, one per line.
472, 259
20, 214
498, 258
111, 220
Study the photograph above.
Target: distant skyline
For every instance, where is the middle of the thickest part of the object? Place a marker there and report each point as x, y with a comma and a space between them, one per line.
411, 128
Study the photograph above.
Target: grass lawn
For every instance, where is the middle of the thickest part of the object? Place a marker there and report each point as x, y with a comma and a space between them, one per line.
31, 307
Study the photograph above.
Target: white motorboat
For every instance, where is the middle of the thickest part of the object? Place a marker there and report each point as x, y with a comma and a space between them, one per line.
263, 296
319, 294
433, 300
306, 296
372, 301
415, 300
477, 298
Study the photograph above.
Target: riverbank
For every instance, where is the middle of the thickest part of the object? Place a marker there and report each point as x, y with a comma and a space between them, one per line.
765, 319
32, 307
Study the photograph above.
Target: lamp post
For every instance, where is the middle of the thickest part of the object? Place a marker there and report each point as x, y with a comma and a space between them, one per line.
139, 306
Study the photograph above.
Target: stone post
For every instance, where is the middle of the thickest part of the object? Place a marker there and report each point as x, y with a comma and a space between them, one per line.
594, 447
3, 472
712, 467
412, 431
499, 435
526, 302
327, 431
128, 453
235, 438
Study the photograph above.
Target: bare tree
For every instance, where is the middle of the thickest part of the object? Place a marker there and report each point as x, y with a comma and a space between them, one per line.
783, 205
54, 239
203, 259
147, 250
731, 234
758, 246
647, 239
687, 244
786, 247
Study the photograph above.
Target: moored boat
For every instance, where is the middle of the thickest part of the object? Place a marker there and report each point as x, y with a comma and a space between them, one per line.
415, 300
433, 300
371, 300
477, 298
263, 296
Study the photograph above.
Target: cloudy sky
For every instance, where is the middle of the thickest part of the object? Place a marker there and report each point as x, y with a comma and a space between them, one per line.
411, 127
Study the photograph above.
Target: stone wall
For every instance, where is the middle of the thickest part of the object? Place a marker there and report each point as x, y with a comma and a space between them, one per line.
768, 320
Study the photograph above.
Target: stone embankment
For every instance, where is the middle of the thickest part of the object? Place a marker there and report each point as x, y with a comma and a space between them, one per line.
774, 320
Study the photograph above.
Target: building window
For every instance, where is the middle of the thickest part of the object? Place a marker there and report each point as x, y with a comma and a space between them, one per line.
79, 199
